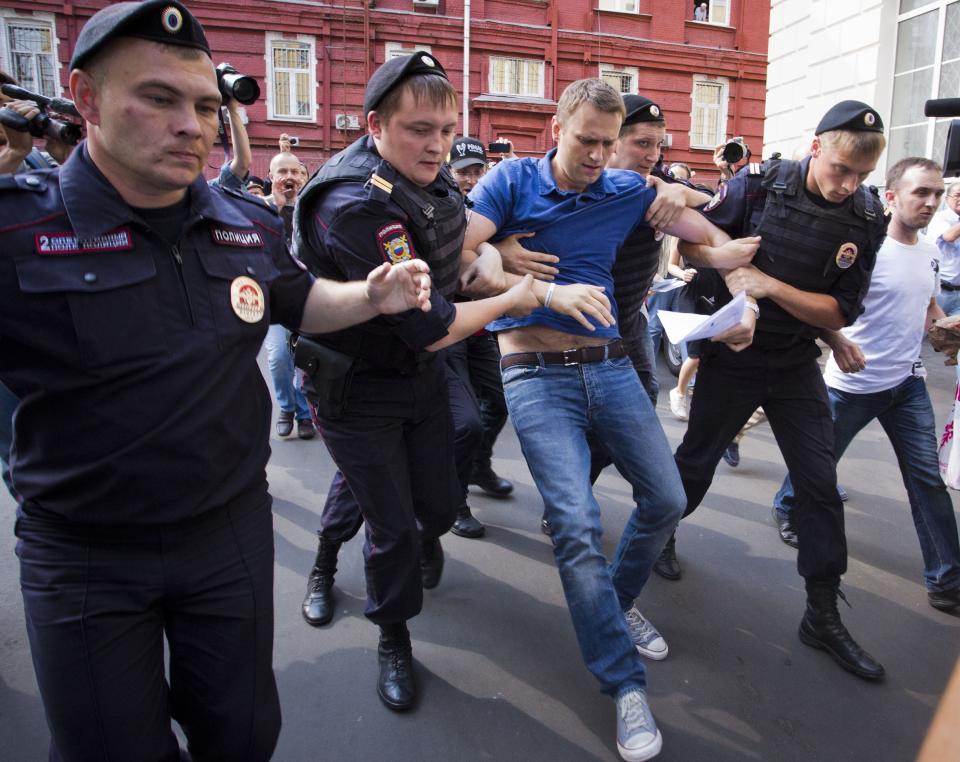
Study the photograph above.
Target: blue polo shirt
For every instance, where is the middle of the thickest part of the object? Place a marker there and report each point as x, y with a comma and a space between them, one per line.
585, 230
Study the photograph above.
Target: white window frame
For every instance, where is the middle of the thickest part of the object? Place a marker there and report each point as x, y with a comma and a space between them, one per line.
623, 71
620, 6
721, 134
277, 38
10, 17
525, 62
713, 12
393, 50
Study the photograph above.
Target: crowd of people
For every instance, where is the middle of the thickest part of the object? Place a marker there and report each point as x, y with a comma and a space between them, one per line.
412, 294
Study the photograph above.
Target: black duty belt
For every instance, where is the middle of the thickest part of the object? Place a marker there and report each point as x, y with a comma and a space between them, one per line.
577, 356
949, 286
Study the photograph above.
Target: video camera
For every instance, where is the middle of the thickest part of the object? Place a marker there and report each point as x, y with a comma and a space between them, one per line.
949, 107
242, 88
735, 150
42, 125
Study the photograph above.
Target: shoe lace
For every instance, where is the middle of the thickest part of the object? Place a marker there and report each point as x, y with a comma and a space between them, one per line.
400, 659
643, 629
633, 711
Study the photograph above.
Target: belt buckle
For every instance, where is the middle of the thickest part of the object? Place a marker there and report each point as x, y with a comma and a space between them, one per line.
567, 353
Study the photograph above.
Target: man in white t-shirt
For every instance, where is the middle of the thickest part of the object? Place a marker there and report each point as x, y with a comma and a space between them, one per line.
875, 372
944, 231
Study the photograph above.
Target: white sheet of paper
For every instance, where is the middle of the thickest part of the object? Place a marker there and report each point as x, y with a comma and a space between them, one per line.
684, 326
667, 284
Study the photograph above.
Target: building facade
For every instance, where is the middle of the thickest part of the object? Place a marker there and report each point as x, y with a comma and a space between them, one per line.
892, 54
703, 62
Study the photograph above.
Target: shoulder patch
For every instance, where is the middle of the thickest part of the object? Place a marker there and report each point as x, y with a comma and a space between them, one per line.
717, 199
396, 243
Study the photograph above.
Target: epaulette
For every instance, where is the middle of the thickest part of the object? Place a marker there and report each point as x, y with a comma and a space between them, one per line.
249, 199
32, 181
381, 184
755, 168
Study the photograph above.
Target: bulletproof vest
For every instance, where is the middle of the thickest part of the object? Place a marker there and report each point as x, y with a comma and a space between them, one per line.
435, 215
806, 245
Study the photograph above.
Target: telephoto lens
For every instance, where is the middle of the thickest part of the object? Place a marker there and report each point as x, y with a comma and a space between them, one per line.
240, 87
733, 152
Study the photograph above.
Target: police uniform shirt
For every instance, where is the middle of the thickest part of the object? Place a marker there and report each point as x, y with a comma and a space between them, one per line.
585, 230
348, 235
731, 210
135, 358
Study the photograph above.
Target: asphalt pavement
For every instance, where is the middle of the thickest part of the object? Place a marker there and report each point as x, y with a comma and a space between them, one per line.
499, 670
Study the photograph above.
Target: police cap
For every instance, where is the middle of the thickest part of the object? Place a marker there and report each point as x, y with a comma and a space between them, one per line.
393, 72
853, 116
165, 21
640, 109
467, 151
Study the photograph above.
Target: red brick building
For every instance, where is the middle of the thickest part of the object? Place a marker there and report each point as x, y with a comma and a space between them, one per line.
313, 60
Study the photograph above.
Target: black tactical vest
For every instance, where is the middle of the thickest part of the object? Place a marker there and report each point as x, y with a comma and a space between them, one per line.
435, 214
802, 241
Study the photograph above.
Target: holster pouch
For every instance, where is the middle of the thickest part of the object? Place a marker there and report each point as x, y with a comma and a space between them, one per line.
328, 375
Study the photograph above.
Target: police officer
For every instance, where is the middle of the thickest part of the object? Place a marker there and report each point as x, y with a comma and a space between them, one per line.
133, 302
820, 230
382, 396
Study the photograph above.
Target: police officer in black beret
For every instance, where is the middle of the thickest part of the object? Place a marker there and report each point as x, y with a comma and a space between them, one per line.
820, 229
381, 394
133, 303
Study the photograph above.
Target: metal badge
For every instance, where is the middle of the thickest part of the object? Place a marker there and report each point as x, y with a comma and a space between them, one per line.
846, 255
171, 19
654, 111
246, 298
869, 119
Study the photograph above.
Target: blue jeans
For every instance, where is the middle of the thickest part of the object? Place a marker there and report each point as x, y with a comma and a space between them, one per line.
286, 383
553, 408
907, 418
8, 404
949, 302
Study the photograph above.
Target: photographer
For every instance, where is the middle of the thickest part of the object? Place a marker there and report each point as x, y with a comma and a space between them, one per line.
234, 172
725, 158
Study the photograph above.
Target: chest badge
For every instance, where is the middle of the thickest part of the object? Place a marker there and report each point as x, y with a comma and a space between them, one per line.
395, 243
846, 255
246, 298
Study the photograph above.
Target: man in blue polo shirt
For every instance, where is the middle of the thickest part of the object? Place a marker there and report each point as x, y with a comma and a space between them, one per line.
564, 378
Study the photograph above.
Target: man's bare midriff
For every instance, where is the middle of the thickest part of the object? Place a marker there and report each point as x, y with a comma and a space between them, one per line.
538, 338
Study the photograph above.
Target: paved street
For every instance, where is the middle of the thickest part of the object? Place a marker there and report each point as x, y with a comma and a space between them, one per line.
499, 669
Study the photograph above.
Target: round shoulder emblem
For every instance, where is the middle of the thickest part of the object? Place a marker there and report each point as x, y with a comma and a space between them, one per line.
171, 19
246, 298
654, 111
846, 255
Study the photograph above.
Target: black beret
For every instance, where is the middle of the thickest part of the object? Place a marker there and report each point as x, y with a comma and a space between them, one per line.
393, 72
165, 21
640, 109
850, 115
467, 151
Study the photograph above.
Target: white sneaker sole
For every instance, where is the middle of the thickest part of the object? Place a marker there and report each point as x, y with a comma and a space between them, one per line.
649, 751
655, 655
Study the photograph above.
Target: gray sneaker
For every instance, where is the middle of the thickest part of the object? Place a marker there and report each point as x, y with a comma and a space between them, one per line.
648, 641
637, 735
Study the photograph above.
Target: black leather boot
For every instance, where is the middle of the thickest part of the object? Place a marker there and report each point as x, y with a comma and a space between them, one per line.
821, 628
785, 527
318, 604
431, 563
396, 685
467, 525
667, 565
487, 480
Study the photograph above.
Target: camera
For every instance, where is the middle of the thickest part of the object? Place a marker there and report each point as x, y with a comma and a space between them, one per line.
42, 125
735, 150
498, 148
242, 88
294, 141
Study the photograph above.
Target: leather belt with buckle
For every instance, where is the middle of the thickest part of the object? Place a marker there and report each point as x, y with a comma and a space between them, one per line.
949, 286
568, 357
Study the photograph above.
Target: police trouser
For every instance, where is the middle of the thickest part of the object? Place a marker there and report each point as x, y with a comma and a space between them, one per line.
394, 447
483, 361
636, 338
342, 518
98, 601
789, 386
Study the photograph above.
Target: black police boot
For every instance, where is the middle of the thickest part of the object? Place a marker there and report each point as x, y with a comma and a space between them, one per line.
785, 526
821, 628
396, 685
466, 525
495, 486
431, 563
667, 565
318, 604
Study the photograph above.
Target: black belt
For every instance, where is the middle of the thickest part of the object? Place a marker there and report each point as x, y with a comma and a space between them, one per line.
577, 356
949, 286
